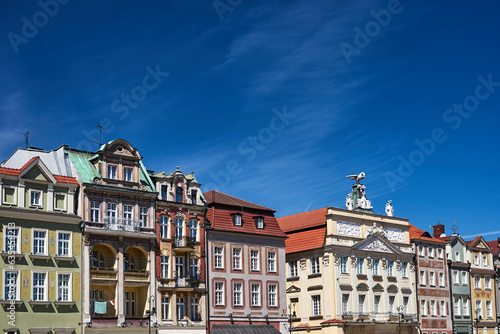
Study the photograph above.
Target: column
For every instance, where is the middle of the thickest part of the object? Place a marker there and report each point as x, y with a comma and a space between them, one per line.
120, 284
152, 277
173, 302
50, 197
327, 284
187, 306
21, 190
303, 291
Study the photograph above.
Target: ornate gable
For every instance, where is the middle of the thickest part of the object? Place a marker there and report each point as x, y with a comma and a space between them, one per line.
376, 242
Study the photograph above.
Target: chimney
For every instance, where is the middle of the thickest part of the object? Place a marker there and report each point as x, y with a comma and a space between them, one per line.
438, 230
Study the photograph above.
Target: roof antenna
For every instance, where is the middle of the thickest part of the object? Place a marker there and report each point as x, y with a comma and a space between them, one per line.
27, 135
100, 135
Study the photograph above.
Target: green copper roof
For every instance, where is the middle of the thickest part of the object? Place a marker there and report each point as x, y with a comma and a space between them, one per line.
87, 172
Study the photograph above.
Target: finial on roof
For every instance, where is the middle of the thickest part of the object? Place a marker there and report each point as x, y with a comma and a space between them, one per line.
177, 167
454, 227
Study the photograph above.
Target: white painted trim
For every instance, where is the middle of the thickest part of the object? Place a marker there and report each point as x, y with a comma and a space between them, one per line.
46, 285
5, 227
18, 286
65, 201
70, 285
70, 246
41, 198
3, 194
46, 245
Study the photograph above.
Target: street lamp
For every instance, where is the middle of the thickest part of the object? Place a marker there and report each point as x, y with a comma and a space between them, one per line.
478, 318
290, 317
151, 311
400, 309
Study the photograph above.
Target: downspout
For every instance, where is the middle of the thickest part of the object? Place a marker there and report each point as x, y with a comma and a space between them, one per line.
207, 280
452, 305
415, 259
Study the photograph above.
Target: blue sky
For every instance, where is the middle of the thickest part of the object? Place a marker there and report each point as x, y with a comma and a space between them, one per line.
274, 102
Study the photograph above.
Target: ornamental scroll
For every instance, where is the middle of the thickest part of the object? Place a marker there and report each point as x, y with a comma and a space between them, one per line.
350, 229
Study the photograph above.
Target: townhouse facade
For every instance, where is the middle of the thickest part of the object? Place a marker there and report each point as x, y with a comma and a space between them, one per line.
117, 204
433, 291
495, 250
41, 243
245, 267
180, 262
482, 277
350, 271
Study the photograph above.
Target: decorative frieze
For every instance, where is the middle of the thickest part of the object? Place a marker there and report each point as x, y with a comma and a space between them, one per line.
394, 234
347, 228
376, 246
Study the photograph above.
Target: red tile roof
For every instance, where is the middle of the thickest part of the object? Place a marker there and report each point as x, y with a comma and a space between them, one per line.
214, 196
416, 234
28, 163
16, 172
333, 321
493, 245
305, 240
473, 242
220, 216
303, 220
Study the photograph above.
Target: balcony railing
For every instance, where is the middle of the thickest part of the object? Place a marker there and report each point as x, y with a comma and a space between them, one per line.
377, 316
122, 224
183, 242
183, 281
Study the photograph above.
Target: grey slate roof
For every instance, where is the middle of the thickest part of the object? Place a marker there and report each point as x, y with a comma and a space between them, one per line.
244, 329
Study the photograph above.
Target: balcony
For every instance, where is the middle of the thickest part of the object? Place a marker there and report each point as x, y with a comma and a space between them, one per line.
382, 317
122, 224
103, 275
136, 276
186, 243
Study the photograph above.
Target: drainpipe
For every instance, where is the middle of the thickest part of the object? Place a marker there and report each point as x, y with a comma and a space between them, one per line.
415, 259
207, 280
452, 305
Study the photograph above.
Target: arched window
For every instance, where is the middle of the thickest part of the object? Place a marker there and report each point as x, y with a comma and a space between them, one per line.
178, 194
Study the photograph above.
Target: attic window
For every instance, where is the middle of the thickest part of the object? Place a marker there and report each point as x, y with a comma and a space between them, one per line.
237, 220
259, 222
120, 149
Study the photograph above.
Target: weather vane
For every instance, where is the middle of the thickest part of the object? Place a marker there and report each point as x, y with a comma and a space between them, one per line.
454, 227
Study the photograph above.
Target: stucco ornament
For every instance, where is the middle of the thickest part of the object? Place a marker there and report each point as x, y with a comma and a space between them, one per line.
347, 228
389, 209
326, 261
348, 202
303, 265
336, 261
372, 230
353, 261
376, 246
394, 234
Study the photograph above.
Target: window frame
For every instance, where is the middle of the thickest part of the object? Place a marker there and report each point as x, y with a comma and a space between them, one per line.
314, 265
272, 262
40, 198
96, 210
218, 264
316, 310
65, 201
45, 241
69, 287
257, 294
237, 219
45, 285
343, 265
14, 196
111, 171
17, 285
127, 171
164, 266
17, 238
164, 227
240, 294
293, 269
237, 261
259, 222
70, 243
254, 260
270, 301
219, 292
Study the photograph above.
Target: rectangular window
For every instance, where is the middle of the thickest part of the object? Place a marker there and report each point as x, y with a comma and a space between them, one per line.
271, 262
441, 279
255, 294
238, 294
293, 269
440, 253
465, 306
443, 309
456, 306
273, 295
345, 304
315, 265
237, 259
164, 192
457, 257
144, 217
316, 305
361, 304
63, 244
164, 229
127, 213
259, 221
193, 230
63, 288
254, 260
478, 304
9, 195
433, 308
404, 269
39, 289
487, 282
194, 196
485, 261
432, 279
11, 285
423, 308
195, 309
375, 267
112, 213
180, 308
489, 313
377, 304
164, 266
127, 174
343, 264
422, 278
390, 268
391, 304
455, 277
36, 197
406, 300
237, 220
464, 278
430, 252
60, 201
165, 307
94, 211
11, 240
219, 257
476, 259
194, 269
39, 242
477, 282
111, 172
359, 266
421, 251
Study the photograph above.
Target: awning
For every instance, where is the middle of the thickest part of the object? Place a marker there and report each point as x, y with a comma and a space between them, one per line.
244, 329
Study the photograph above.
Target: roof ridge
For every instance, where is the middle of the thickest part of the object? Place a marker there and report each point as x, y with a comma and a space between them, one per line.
29, 163
300, 213
234, 197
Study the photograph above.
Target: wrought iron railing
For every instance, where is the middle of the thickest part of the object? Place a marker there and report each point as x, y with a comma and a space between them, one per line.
378, 317
180, 242
122, 224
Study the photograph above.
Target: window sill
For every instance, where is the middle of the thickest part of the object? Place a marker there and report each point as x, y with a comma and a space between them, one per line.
362, 276
64, 303
314, 275
40, 302
294, 278
64, 258
40, 257
16, 255
11, 301
392, 278
316, 317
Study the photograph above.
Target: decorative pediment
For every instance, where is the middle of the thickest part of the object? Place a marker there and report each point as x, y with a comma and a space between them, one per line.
377, 243
345, 287
406, 290
378, 288
392, 289
362, 287
36, 170
292, 289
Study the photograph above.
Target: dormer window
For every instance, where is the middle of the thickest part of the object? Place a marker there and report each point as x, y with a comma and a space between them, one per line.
164, 192
237, 220
194, 196
111, 172
127, 174
259, 222
178, 194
